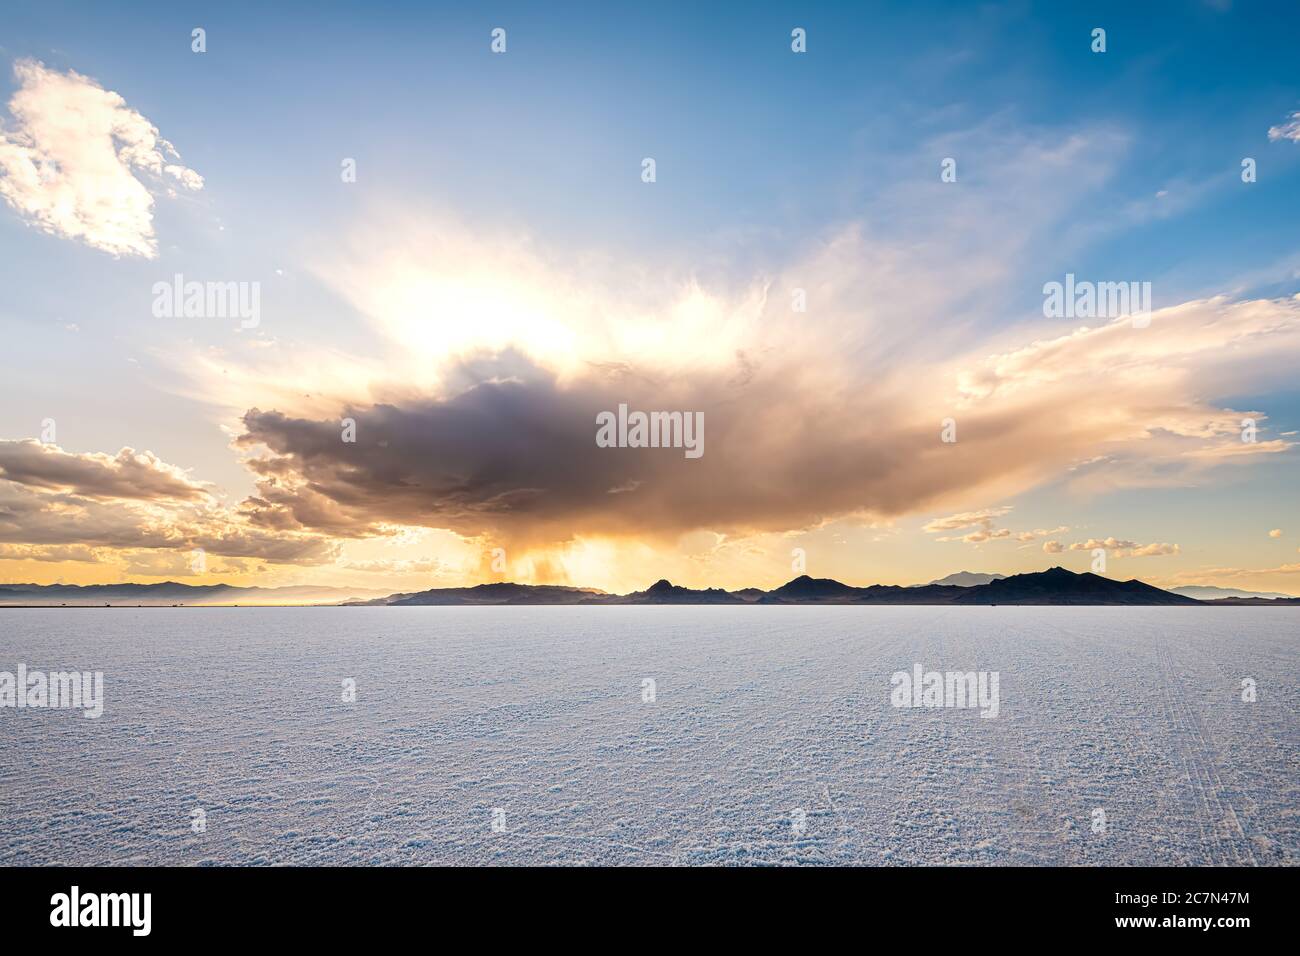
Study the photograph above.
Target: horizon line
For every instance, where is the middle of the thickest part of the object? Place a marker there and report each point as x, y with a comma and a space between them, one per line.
383, 590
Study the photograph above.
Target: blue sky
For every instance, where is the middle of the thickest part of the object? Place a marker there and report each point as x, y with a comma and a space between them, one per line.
772, 168
745, 133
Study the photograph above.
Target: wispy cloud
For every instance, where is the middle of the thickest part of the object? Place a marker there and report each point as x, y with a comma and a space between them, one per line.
1115, 547
1288, 129
966, 519
983, 523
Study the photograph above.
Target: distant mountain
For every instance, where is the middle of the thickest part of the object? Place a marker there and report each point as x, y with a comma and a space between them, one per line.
169, 593
805, 589
493, 594
663, 592
918, 594
1055, 586
968, 579
1253, 601
1059, 586
1203, 593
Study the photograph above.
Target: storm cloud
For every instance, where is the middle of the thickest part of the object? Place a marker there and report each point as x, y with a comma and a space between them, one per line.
788, 445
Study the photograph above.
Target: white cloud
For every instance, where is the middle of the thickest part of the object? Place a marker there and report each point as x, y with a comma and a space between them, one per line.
983, 521
1117, 547
1288, 130
71, 159
983, 518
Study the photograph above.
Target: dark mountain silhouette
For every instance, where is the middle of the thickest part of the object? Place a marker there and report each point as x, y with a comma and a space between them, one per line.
1055, 586
920, 594
499, 594
663, 592
804, 589
1059, 586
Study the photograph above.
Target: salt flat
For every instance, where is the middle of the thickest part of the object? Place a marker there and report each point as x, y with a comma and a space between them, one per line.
534, 718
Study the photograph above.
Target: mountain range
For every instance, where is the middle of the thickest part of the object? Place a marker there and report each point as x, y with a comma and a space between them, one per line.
1055, 586
170, 593
1203, 593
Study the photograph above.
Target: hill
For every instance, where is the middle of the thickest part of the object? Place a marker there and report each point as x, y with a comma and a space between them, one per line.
664, 592
1058, 586
495, 594
968, 579
1203, 593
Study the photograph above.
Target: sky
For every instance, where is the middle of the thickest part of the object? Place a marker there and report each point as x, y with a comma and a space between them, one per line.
445, 261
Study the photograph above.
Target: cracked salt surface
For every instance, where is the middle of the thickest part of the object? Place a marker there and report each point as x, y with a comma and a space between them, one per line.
758, 711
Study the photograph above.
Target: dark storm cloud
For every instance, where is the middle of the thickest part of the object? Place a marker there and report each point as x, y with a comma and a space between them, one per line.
516, 458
